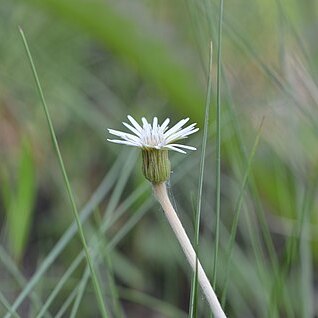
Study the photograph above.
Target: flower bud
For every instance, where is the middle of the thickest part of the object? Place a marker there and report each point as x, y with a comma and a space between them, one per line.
156, 165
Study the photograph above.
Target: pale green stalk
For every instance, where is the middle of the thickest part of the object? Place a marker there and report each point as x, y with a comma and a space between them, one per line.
161, 194
201, 177
80, 293
218, 145
96, 284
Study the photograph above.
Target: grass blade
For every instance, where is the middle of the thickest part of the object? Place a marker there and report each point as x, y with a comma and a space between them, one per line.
12, 268
218, 144
60, 285
7, 305
237, 212
194, 288
80, 293
67, 303
96, 198
96, 284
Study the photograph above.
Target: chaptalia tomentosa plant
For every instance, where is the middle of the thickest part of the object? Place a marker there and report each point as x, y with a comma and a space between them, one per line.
154, 141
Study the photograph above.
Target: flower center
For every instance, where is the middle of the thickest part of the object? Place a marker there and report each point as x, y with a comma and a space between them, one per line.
152, 137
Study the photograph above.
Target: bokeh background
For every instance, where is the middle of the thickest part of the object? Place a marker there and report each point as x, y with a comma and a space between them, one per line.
99, 61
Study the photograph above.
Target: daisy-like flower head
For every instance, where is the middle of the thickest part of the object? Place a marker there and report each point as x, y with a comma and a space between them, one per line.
155, 140
155, 136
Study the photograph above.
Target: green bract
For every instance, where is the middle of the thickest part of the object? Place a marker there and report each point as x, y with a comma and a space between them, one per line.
156, 165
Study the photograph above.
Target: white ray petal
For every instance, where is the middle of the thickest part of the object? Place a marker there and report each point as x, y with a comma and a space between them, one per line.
134, 123
176, 127
155, 123
123, 135
182, 134
165, 124
183, 146
145, 122
124, 142
174, 148
133, 129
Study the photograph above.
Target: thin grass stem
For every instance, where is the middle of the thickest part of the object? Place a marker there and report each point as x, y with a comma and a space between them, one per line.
96, 283
80, 293
218, 145
193, 299
60, 285
7, 305
66, 304
237, 213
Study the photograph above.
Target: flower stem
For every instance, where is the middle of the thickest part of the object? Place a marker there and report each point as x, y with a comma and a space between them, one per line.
161, 194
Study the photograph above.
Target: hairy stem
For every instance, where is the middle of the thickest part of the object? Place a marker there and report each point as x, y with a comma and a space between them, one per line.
161, 194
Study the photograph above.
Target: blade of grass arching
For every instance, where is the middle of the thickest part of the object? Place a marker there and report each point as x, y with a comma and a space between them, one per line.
94, 246
66, 304
115, 240
124, 206
194, 286
7, 305
218, 144
11, 267
140, 212
96, 198
121, 181
237, 212
80, 292
120, 185
94, 242
60, 285
96, 283
117, 309
164, 309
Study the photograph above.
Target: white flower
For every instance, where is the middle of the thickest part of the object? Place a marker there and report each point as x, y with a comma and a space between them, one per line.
155, 136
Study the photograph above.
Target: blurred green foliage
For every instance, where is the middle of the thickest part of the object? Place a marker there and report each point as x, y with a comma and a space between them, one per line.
18, 198
101, 60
